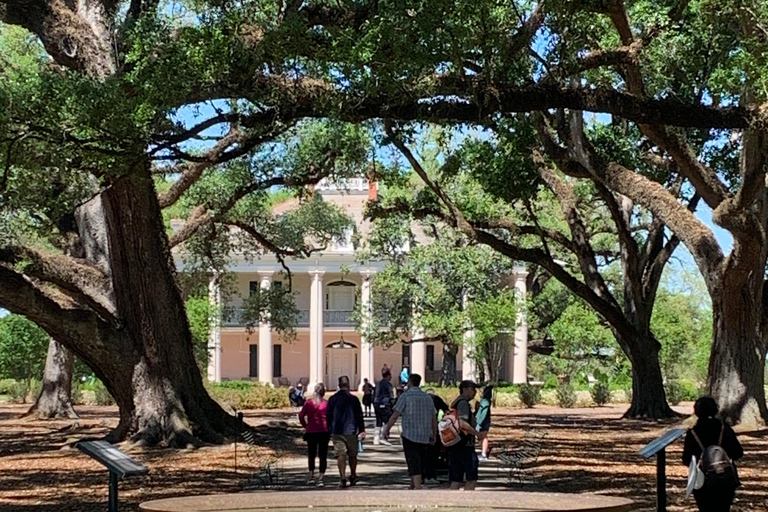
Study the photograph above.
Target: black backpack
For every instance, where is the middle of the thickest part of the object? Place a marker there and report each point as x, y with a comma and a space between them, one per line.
717, 466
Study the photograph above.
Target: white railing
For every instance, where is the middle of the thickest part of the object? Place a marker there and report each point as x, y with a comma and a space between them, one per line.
351, 184
338, 318
330, 318
234, 318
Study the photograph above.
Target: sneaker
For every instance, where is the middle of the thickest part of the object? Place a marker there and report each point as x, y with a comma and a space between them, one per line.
343, 484
311, 481
482, 458
320, 483
385, 442
353, 481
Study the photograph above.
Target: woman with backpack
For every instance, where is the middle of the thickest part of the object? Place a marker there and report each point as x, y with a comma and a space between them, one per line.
483, 419
714, 444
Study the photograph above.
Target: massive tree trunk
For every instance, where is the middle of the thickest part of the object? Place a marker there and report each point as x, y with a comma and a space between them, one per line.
737, 361
649, 399
162, 398
55, 400
134, 332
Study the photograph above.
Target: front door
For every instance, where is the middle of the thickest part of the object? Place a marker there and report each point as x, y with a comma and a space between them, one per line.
341, 361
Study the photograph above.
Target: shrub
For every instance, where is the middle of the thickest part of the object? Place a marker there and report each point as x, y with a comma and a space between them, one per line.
6, 385
101, 395
508, 399
679, 390
77, 393
601, 393
19, 391
550, 382
249, 395
530, 395
691, 391
35, 388
566, 396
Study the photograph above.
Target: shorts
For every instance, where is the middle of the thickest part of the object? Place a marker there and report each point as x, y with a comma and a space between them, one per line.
345, 446
367, 400
462, 463
383, 413
416, 456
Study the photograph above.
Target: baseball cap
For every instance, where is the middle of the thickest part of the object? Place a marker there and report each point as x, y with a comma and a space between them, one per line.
467, 384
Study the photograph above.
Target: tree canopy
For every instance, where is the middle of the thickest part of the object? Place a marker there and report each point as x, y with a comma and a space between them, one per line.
93, 96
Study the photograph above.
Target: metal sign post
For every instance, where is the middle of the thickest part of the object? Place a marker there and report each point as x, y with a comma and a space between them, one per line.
658, 447
118, 463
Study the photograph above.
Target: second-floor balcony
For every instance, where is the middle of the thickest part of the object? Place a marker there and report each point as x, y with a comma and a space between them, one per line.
233, 318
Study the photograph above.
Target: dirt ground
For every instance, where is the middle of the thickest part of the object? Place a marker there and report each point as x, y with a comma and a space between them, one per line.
585, 450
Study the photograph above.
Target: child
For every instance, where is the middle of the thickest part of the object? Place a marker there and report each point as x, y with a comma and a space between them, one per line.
483, 418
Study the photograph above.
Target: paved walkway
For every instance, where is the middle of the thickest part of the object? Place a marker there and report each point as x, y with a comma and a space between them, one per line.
379, 466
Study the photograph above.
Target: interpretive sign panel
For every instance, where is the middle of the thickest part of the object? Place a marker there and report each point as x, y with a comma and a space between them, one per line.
662, 442
113, 459
658, 447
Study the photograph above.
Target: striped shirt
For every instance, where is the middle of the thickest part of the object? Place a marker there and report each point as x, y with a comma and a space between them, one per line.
417, 410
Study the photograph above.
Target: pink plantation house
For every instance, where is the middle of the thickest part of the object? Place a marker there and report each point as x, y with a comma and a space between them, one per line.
329, 286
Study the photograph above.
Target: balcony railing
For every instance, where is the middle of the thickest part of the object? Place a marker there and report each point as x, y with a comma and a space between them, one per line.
338, 318
330, 318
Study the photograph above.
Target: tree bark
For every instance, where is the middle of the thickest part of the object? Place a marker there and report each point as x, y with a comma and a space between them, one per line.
649, 399
55, 400
162, 399
737, 362
448, 377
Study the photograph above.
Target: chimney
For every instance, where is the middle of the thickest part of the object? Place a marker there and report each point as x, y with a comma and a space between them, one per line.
373, 190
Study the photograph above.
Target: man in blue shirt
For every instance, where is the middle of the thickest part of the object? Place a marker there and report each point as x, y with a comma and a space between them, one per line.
346, 425
382, 404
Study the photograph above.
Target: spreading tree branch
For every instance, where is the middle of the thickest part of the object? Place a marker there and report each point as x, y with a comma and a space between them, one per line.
83, 282
698, 237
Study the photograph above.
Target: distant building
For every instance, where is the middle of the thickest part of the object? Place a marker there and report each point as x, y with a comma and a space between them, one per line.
327, 344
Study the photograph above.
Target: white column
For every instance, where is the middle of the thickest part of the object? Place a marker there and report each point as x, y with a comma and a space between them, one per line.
316, 349
265, 338
419, 354
519, 363
366, 348
467, 363
468, 367
214, 334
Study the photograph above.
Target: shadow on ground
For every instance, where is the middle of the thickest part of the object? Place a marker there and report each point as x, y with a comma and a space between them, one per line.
585, 450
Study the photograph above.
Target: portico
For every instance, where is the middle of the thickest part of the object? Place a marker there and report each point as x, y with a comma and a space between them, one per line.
327, 343
329, 289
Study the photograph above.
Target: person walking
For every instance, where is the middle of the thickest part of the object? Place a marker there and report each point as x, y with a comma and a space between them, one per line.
419, 428
347, 427
404, 374
313, 417
462, 459
435, 455
708, 431
382, 404
367, 397
483, 419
